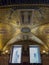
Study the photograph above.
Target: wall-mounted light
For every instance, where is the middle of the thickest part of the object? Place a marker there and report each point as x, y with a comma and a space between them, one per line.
6, 51
44, 51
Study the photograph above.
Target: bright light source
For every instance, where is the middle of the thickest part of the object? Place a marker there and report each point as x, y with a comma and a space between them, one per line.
44, 51
6, 51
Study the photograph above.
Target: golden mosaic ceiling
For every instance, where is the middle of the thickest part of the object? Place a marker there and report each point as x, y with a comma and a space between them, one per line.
11, 24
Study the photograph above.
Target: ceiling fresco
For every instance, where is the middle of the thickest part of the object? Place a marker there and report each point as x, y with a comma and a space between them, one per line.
24, 24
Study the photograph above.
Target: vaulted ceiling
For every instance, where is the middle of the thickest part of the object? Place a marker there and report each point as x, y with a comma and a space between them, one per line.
24, 24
